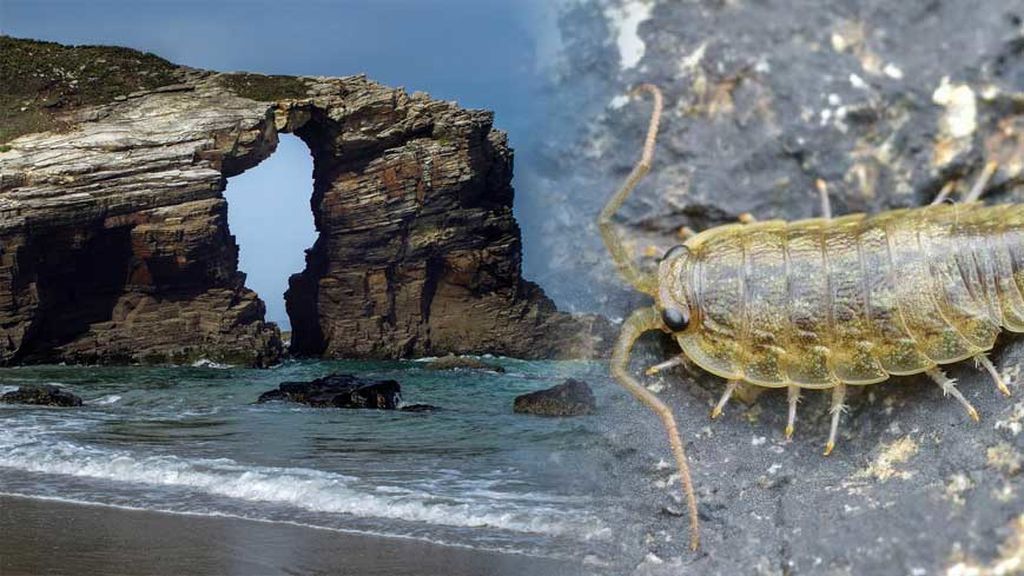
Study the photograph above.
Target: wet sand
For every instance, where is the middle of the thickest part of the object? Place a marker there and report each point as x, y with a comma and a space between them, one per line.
51, 537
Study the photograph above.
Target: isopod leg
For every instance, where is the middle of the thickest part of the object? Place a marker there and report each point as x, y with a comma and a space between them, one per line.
612, 239
979, 185
837, 409
793, 392
943, 194
685, 233
645, 320
949, 388
729, 389
976, 190
670, 363
983, 361
826, 204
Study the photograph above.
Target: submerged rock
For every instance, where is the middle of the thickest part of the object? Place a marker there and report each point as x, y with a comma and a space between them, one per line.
571, 398
41, 395
339, 391
452, 362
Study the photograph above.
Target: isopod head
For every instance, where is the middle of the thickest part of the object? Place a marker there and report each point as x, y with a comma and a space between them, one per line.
673, 297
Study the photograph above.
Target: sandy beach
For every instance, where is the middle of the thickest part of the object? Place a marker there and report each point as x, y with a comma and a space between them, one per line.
52, 537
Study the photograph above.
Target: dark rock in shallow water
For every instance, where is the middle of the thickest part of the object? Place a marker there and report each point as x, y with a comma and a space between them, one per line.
452, 362
41, 395
571, 398
339, 391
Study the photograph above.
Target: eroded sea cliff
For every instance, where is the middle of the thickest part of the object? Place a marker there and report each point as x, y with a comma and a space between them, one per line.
114, 243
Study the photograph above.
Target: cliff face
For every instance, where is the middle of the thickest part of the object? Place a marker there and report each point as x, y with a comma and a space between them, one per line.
114, 244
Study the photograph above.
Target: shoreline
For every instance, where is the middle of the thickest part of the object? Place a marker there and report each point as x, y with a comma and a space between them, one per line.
45, 535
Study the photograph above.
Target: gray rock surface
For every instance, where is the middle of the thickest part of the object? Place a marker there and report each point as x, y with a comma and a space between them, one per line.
884, 102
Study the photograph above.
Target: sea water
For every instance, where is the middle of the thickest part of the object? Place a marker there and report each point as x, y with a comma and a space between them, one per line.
193, 440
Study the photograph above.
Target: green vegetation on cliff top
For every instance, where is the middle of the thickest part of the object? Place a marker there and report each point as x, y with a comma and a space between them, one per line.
41, 81
265, 88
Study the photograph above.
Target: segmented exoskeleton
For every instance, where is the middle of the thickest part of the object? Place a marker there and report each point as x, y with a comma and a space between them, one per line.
828, 302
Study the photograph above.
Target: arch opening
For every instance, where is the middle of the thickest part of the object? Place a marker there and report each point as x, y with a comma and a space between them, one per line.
269, 215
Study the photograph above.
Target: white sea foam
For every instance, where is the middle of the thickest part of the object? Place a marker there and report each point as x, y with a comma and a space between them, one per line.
8, 388
215, 514
204, 363
111, 399
307, 489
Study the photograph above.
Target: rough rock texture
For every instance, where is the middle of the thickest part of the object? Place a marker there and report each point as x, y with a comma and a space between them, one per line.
339, 391
762, 100
570, 398
41, 395
418, 253
114, 245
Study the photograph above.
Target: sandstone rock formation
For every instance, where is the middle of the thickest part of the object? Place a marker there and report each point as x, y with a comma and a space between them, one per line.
114, 244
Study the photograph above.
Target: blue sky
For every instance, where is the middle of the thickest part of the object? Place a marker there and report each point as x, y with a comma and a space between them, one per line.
481, 53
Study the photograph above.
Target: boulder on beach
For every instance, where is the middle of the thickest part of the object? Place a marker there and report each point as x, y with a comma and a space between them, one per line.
453, 362
339, 391
41, 395
571, 398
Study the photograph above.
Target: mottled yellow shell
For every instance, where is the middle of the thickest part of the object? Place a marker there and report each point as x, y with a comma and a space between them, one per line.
851, 299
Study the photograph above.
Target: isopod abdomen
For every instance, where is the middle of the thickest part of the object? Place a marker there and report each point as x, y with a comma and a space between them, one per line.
852, 299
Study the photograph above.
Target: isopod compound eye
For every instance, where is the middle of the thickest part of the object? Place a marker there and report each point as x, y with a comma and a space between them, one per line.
673, 252
675, 319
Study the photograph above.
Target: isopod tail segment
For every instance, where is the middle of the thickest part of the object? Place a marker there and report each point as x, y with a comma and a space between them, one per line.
645, 319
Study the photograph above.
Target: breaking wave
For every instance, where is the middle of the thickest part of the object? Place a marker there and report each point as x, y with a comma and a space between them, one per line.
311, 490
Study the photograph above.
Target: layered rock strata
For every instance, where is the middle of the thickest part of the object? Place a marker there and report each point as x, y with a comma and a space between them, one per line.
114, 245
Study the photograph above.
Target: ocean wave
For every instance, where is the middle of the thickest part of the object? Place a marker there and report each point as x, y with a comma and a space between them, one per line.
491, 546
111, 399
205, 363
311, 490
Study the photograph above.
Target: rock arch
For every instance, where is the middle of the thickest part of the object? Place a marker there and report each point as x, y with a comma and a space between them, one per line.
114, 244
